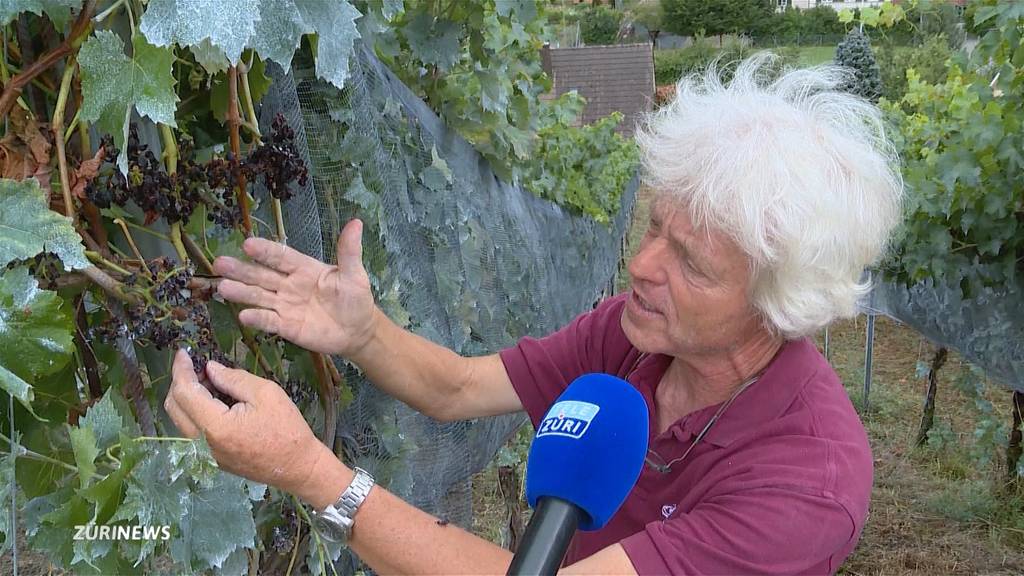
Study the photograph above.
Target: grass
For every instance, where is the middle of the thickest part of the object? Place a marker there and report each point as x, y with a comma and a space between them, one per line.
814, 55
934, 509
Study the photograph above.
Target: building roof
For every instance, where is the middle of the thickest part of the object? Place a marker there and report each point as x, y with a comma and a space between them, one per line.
611, 78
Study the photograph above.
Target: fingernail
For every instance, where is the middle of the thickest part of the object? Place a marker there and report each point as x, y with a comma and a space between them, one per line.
214, 365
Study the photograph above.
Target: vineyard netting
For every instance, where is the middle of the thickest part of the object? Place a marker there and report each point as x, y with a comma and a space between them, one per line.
987, 329
454, 254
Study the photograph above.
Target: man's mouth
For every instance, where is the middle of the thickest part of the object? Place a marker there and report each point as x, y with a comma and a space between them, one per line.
642, 304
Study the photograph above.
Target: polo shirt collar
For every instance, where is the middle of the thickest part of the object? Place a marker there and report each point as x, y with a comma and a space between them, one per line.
764, 401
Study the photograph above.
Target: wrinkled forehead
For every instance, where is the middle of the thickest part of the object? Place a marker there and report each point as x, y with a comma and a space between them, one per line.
672, 210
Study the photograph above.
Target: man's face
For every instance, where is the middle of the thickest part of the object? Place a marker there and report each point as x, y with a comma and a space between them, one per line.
690, 291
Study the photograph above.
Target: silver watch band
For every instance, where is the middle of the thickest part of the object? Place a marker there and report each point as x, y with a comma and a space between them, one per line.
335, 521
354, 495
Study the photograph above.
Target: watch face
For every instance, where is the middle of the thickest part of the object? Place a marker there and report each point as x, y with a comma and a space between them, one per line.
331, 526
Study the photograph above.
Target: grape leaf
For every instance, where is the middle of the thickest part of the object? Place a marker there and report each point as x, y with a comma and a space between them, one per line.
210, 57
437, 175
273, 28
28, 226
106, 493
194, 459
58, 10
151, 498
433, 41
35, 333
278, 31
83, 442
228, 25
219, 522
335, 27
144, 81
104, 420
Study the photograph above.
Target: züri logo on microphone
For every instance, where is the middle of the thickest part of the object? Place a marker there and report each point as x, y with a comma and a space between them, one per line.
568, 418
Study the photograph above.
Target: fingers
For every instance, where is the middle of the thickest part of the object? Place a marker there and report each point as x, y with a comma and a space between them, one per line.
276, 256
350, 247
195, 401
238, 384
247, 273
180, 419
246, 294
265, 320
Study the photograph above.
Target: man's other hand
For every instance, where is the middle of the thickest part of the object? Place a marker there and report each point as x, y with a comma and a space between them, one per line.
322, 308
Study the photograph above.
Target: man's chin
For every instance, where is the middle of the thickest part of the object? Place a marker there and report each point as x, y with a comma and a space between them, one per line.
636, 336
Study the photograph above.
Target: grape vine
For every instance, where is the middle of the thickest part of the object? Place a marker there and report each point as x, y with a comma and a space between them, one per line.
116, 196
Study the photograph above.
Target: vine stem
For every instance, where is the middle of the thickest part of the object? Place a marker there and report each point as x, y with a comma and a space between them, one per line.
325, 388
26, 453
295, 550
99, 259
106, 283
131, 241
58, 137
79, 31
234, 122
170, 155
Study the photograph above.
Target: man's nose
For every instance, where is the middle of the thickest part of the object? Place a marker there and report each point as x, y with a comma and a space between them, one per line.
648, 263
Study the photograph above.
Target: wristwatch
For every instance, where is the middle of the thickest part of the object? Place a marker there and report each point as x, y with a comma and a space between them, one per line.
335, 522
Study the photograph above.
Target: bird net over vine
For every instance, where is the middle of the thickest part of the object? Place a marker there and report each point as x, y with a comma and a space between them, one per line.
454, 254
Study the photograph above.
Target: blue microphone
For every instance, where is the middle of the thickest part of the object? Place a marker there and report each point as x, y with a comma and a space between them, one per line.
586, 457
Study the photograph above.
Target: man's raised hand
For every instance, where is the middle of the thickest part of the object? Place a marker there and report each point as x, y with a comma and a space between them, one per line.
323, 308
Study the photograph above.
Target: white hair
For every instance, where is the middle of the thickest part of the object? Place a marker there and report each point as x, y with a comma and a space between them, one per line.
800, 175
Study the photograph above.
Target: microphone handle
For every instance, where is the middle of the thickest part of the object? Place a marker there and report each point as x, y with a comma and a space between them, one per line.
547, 537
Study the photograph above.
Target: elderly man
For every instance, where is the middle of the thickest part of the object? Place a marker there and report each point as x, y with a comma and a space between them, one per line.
773, 194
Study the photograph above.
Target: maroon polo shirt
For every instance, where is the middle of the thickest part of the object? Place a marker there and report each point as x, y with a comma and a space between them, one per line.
779, 485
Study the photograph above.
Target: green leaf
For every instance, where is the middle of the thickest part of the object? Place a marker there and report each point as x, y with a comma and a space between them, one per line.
151, 498
273, 28
145, 81
35, 333
106, 493
193, 459
358, 194
104, 420
58, 10
279, 31
433, 41
436, 176
28, 226
210, 57
219, 522
227, 24
869, 16
334, 23
845, 16
83, 443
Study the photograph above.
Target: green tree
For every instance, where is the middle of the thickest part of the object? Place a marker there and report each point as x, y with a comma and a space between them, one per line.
855, 52
714, 17
928, 60
599, 25
648, 13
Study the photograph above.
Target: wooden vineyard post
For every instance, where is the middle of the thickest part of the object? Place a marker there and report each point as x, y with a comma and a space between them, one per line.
1015, 447
928, 414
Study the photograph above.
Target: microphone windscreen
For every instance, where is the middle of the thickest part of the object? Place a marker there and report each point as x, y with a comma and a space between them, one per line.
590, 447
